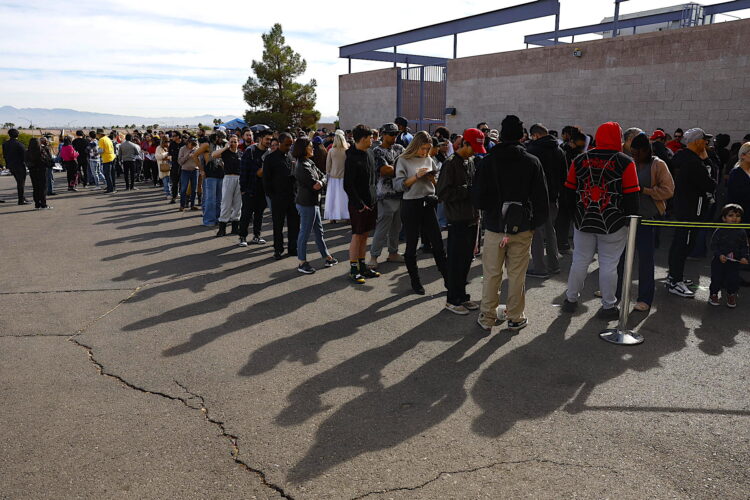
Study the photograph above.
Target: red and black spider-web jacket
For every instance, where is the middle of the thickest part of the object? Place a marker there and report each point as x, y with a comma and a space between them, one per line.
605, 182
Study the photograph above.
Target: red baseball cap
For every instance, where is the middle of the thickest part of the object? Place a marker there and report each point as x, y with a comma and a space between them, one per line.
658, 134
475, 137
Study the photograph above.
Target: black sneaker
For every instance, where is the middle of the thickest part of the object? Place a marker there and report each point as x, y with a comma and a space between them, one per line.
277, 256
331, 262
305, 268
537, 274
568, 306
357, 278
369, 273
610, 314
517, 325
258, 241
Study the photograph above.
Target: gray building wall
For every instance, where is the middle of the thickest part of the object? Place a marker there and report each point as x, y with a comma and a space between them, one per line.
680, 78
368, 97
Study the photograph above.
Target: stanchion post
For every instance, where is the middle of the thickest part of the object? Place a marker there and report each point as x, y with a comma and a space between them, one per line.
621, 335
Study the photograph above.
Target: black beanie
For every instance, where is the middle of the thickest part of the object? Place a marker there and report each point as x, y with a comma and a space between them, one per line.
511, 128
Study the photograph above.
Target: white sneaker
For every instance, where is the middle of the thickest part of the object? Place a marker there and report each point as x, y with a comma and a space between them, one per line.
681, 289
243, 242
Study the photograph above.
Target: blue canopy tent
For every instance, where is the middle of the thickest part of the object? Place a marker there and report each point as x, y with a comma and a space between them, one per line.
237, 123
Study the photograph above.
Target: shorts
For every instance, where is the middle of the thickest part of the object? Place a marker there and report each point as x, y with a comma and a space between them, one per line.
362, 222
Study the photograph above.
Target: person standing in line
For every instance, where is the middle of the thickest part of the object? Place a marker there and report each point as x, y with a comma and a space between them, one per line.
251, 188
555, 166
730, 250
627, 139
80, 144
404, 137
279, 184
513, 193
415, 177
388, 224
454, 191
738, 183
657, 186
107, 152
165, 165
38, 160
149, 162
231, 199
676, 143
658, 140
95, 176
336, 207
13, 152
310, 183
188, 174
129, 153
212, 173
69, 157
693, 189
602, 189
175, 171
47, 153
360, 177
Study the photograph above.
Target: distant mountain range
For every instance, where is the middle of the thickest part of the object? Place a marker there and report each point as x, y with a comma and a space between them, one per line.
70, 118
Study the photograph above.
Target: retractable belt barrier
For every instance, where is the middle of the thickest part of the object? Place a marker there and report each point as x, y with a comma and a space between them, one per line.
621, 335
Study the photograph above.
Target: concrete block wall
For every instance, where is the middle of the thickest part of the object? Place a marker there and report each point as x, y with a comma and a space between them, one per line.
368, 97
679, 78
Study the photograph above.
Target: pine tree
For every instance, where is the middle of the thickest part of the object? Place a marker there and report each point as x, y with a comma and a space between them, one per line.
275, 98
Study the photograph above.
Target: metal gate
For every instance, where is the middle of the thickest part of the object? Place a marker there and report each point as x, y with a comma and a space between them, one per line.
421, 96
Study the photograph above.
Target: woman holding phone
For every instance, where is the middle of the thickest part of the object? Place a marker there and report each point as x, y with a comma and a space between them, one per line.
415, 176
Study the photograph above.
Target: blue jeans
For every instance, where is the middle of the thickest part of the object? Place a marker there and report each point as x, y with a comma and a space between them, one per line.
310, 221
95, 172
188, 176
211, 200
644, 248
109, 175
167, 184
50, 182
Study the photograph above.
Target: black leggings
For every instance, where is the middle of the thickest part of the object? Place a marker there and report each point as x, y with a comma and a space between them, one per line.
39, 183
419, 217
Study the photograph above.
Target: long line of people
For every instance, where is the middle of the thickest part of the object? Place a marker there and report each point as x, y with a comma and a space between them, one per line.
510, 195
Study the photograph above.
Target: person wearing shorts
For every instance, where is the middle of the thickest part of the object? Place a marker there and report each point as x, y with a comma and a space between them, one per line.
360, 177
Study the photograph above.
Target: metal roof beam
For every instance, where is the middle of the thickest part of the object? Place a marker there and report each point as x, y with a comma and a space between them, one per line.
374, 55
598, 28
710, 10
523, 12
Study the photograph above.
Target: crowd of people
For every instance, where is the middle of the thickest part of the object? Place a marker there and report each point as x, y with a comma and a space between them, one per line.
510, 195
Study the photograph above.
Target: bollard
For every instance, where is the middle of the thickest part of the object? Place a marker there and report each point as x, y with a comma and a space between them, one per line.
621, 335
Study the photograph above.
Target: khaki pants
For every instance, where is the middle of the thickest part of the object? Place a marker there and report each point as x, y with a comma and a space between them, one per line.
516, 256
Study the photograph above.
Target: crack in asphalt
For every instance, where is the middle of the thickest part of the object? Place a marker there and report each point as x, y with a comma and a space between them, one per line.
483, 467
233, 439
34, 292
194, 402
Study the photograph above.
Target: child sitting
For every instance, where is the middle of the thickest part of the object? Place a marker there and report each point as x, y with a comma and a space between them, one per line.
730, 249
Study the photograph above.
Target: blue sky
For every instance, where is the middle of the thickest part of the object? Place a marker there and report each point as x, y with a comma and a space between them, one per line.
184, 58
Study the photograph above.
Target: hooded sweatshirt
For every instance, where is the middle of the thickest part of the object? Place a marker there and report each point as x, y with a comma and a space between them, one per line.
553, 162
604, 182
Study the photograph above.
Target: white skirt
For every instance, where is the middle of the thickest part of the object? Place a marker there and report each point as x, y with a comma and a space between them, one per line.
337, 203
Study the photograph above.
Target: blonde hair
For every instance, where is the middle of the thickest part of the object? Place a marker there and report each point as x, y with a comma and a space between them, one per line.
420, 139
744, 149
339, 140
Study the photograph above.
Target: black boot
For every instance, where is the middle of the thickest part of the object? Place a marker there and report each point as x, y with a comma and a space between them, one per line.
235, 227
222, 229
416, 283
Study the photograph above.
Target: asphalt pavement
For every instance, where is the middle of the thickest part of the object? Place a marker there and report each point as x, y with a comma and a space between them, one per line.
141, 357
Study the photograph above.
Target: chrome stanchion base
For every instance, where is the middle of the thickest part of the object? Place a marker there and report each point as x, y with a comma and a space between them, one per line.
621, 337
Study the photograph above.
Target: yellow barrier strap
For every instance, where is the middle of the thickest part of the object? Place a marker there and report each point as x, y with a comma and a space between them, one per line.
693, 225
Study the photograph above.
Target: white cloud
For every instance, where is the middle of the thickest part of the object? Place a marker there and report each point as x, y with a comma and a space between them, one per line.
186, 58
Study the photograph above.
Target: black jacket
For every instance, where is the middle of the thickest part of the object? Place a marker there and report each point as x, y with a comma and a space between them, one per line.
693, 184
510, 174
359, 178
307, 174
174, 152
252, 161
80, 144
278, 176
728, 240
13, 152
553, 162
454, 187
663, 152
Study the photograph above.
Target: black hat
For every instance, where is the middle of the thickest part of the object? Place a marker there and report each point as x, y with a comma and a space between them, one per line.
511, 128
401, 121
389, 128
